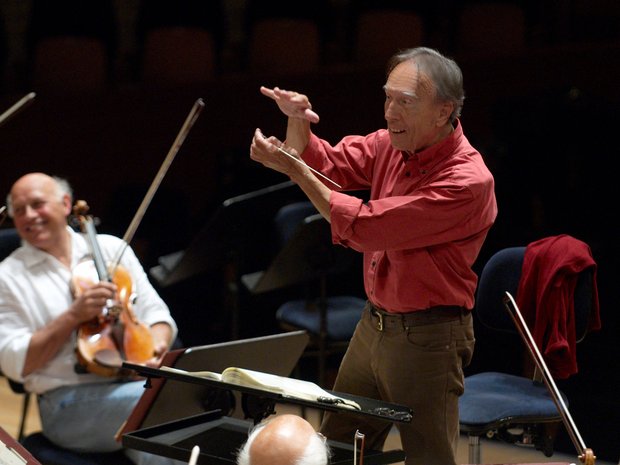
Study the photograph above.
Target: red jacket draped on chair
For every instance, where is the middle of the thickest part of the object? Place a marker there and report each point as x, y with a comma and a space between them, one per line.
549, 275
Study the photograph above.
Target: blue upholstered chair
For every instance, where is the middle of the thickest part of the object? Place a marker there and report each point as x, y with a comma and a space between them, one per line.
329, 319
514, 408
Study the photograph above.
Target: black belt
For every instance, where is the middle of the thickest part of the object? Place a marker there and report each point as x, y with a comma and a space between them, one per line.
429, 316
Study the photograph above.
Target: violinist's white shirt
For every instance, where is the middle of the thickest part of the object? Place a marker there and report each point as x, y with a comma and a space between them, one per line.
35, 288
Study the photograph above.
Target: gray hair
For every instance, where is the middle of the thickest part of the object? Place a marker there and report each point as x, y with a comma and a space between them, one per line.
444, 73
317, 451
62, 188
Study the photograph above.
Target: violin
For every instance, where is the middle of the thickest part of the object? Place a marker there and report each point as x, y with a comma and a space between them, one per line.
116, 335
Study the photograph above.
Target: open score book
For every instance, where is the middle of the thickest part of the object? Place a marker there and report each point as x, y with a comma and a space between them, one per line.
286, 387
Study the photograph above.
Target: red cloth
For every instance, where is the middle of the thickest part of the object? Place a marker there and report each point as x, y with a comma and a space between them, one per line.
549, 275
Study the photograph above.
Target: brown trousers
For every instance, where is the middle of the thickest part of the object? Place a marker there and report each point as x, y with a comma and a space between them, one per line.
418, 366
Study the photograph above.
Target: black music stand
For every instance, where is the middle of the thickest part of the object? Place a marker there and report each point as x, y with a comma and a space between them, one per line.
308, 256
169, 399
228, 240
229, 228
219, 436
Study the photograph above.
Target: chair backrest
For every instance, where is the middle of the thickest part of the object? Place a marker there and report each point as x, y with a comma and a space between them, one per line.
70, 63
502, 273
289, 217
281, 46
490, 29
382, 32
177, 55
9, 241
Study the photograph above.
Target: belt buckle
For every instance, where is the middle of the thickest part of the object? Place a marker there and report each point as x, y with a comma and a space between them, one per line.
380, 322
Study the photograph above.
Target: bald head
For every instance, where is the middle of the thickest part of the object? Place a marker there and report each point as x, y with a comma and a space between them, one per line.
52, 185
39, 205
284, 440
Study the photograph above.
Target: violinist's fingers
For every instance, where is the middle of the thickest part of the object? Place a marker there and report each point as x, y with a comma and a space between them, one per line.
108, 286
155, 361
160, 347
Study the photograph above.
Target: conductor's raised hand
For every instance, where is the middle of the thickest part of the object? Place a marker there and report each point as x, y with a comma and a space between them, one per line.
292, 104
265, 150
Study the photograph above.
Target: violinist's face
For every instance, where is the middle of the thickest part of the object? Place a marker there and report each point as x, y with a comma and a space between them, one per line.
39, 211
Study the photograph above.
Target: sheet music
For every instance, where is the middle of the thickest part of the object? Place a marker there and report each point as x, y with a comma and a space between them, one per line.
9, 456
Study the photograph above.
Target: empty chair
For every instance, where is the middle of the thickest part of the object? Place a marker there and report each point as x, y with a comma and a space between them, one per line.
178, 55
488, 30
379, 33
516, 407
179, 41
70, 64
71, 45
284, 46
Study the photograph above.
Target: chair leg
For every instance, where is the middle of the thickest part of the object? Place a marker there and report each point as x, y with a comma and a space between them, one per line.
22, 423
474, 449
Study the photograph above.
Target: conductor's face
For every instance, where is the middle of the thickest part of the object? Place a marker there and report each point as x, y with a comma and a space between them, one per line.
39, 210
416, 119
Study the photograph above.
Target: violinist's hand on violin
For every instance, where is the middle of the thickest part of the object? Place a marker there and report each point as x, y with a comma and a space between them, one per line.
162, 335
92, 300
292, 104
160, 351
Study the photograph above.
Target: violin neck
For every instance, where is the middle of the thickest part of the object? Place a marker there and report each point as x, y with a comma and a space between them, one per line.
102, 270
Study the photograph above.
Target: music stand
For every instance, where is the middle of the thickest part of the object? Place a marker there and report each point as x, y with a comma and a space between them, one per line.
229, 239
309, 255
219, 436
168, 399
229, 228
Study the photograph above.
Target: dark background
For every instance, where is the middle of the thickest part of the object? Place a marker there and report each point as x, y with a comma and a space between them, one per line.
541, 80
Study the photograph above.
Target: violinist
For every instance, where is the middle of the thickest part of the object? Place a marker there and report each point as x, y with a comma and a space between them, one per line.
40, 313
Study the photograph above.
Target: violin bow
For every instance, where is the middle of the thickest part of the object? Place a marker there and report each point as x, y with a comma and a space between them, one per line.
135, 222
19, 105
361, 438
585, 454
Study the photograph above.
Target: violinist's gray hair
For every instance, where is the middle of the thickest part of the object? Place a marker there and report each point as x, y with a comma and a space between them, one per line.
62, 188
317, 451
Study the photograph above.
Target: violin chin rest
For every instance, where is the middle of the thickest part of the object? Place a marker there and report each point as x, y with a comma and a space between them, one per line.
108, 358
